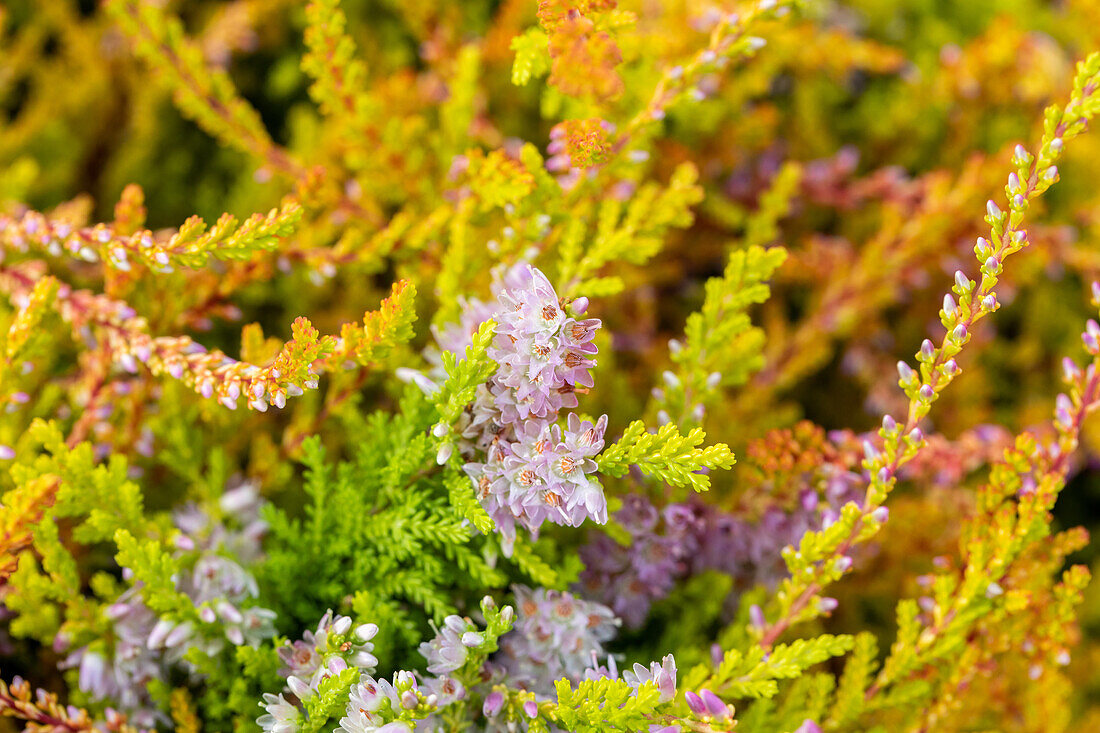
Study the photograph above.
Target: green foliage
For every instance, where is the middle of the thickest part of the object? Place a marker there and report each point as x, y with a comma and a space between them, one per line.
666, 455
532, 59
852, 687
205, 95
757, 672
721, 347
604, 704
228, 239
631, 233
380, 523
157, 571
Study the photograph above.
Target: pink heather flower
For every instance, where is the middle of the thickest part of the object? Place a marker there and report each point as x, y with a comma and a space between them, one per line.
526, 469
690, 538
447, 652
281, 716
364, 712
556, 635
663, 675
334, 646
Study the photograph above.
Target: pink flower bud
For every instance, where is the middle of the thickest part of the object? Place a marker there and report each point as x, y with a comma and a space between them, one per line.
494, 701
949, 306
905, 372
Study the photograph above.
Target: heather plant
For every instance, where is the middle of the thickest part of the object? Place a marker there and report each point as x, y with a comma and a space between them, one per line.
560, 365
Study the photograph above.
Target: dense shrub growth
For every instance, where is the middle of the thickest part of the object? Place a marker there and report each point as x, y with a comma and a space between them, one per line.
560, 365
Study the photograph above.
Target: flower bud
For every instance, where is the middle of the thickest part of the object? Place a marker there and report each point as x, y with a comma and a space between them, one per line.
494, 701
949, 307
869, 451
905, 372
756, 616
714, 705
982, 248
1070, 370
299, 687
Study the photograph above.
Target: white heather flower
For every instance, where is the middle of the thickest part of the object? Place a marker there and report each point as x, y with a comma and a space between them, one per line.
281, 716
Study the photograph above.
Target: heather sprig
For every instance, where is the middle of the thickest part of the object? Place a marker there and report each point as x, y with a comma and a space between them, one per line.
666, 454
720, 347
213, 374
821, 557
205, 94
45, 712
192, 246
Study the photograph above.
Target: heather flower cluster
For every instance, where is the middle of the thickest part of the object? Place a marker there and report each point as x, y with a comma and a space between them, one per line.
494, 675
333, 648
373, 705
525, 466
557, 635
216, 546
684, 539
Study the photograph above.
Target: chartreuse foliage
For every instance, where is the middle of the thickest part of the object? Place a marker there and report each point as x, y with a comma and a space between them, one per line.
479, 224
721, 347
379, 528
666, 455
